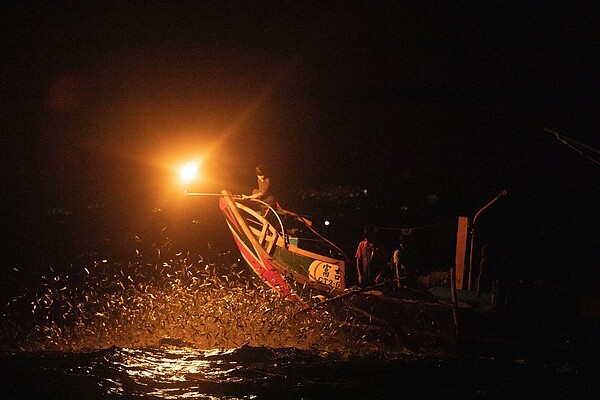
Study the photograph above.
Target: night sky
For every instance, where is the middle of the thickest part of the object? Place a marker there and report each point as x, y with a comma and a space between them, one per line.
102, 100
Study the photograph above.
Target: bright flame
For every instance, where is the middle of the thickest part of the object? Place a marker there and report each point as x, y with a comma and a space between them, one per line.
189, 172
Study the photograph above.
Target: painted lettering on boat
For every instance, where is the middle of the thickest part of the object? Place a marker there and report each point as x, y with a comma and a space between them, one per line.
329, 274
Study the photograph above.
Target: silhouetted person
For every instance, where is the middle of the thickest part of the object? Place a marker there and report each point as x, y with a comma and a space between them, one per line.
263, 191
493, 276
402, 275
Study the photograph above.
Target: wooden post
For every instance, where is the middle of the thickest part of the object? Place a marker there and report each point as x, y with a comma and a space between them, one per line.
461, 251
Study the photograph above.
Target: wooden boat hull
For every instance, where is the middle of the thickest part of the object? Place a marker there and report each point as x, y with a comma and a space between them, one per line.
270, 254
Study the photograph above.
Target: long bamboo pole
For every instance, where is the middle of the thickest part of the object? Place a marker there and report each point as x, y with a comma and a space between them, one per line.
205, 194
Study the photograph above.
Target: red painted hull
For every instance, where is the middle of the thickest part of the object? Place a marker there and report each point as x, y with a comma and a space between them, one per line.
255, 255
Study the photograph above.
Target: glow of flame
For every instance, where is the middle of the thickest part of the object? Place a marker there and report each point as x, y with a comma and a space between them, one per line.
189, 172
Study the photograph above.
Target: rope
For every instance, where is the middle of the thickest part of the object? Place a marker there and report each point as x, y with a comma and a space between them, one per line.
409, 230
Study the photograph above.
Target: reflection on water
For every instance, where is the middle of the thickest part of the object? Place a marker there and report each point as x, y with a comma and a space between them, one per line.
175, 371
170, 373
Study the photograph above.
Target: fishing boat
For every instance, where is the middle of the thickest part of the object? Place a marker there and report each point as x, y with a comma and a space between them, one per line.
285, 251
277, 253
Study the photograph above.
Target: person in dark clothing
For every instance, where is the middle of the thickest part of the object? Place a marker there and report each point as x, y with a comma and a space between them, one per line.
399, 259
263, 192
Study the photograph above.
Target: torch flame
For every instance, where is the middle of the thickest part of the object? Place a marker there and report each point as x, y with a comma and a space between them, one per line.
189, 172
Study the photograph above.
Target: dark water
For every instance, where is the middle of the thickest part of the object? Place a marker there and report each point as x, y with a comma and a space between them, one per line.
170, 371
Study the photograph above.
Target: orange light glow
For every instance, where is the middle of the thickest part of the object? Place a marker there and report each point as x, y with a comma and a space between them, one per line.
189, 172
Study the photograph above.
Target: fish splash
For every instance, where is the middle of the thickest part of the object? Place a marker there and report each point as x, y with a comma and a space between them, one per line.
98, 304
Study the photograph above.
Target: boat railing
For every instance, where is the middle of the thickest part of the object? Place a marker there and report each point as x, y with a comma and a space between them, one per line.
266, 217
281, 230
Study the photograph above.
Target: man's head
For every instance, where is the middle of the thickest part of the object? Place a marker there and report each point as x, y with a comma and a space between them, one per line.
369, 233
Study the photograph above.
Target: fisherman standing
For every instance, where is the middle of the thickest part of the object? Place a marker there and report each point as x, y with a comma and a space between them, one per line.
370, 259
400, 264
